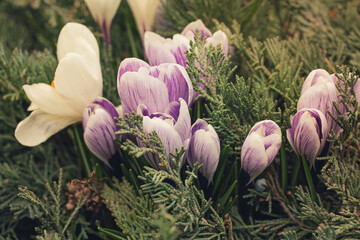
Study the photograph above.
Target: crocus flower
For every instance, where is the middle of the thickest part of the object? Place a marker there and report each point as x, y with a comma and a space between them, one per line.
173, 129
155, 87
204, 148
76, 84
308, 133
319, 91
144, 13
260, 147
100, 127
160, 50
103, 12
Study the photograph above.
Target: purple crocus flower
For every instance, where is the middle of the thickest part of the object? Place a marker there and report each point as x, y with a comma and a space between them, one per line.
160, 50
156, 87
99, 128
173, 129
204, 148
319, 91
308, 133
260, 147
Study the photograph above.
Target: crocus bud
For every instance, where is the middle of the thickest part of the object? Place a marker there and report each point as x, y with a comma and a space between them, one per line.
99, 128
308, 133
319, 91
173, 130
144, 13
103, 13
204, 148
155, 87
260, 147
190, 30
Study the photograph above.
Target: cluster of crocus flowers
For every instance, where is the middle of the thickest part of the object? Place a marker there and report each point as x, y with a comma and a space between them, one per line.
161, 94
312, 123
319, 92
103, 12
77, 82
164, 50
260, 148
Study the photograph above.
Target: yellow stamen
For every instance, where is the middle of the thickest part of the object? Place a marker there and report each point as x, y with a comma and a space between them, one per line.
52, 83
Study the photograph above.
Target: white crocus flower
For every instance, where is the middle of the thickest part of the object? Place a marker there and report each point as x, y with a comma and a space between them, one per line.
144, 12
76, 84
103, 12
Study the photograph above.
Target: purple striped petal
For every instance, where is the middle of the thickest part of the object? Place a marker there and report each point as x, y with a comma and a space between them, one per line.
219, 37
321, 96
159, 50
130, 65
204, 148
177, 82
314, 77
308, 133
137, 88
260, 147
99, 102
169, 137
254, 159
99, 134
156, 49
190, 30
183, 122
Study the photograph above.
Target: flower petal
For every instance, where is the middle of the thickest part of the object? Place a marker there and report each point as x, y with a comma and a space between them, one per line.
77, 38
219, 37
203, 149
183, 121
130, 65
75, 80
169, 137
190, 29
156, 49
314, 77
177, 82
136, 88
254, 159
39, 126
99, 134
46, 98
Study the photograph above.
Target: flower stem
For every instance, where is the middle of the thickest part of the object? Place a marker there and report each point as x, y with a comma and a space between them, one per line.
295, 172
131, 39
81, 151
309, 179
284, 168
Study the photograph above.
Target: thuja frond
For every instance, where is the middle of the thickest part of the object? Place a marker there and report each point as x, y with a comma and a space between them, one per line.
197, 218
132, 124
137, 216
51, 207
344, 222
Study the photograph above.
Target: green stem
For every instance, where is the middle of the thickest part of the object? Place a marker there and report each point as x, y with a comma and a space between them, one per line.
295, 172
309, 179
131, 39
284, 168
81, 150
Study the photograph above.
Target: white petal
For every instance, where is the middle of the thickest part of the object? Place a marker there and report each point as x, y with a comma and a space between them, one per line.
46, 98
71, 38
144, 13
39, 126
75, 80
